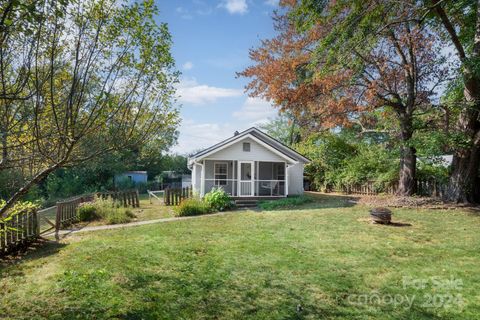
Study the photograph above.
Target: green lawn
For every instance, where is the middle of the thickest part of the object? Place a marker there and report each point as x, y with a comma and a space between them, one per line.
150, 211
318, 261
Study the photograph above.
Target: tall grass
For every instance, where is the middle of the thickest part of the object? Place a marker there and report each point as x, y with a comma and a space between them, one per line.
105, 209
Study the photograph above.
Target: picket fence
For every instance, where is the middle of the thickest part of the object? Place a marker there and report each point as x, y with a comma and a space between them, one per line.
430, 188
173, 196
18, 230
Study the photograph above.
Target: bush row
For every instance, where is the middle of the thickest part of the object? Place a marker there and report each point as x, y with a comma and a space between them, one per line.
216, 200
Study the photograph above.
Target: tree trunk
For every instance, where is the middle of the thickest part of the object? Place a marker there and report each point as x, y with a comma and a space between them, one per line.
23, 191
465, 166
408, 157
408, 167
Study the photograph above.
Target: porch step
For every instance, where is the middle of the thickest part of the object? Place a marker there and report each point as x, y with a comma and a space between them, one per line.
246, 203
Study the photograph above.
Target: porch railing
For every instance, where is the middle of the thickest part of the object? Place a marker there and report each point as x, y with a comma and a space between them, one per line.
261, 187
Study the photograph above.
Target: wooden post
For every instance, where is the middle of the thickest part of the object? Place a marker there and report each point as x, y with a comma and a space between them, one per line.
2, 237
24, 226
36, 223
7, 235
58, 219
137, 199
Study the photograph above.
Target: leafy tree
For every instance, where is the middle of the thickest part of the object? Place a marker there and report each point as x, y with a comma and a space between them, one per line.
458, 22
284, 128
338, 60
99, 76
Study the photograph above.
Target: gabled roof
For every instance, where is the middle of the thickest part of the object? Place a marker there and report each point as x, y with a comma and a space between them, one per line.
256, 134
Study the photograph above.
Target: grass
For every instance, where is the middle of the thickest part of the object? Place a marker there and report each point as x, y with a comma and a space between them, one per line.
284, 264
151, 211
285, 203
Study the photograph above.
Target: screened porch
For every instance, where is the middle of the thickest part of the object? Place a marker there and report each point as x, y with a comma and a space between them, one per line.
245, 178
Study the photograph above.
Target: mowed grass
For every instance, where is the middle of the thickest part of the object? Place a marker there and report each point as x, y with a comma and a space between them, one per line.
150, 211
287, 264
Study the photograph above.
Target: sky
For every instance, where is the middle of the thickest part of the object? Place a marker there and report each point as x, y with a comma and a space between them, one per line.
211, 41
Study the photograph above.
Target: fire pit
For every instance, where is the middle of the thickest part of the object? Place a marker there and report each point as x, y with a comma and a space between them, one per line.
381, 215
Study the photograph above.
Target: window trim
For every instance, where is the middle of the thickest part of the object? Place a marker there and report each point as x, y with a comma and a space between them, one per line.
215, 180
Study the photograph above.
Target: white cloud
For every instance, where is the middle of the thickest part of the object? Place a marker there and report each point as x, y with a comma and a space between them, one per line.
196, 136
255, 111
184, 13
187, 65
234, 6
272, 3
189, 91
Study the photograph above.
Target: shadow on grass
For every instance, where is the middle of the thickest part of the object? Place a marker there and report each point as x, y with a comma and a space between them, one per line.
398, 224
268, 297
35, 250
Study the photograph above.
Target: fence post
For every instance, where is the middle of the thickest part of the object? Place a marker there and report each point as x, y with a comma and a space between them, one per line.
2, 237
137, 199
25, 227
58, 219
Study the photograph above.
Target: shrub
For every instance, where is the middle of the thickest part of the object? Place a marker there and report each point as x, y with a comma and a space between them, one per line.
284, 203
192, 207
118, 215
218, 200
87, 211
111, 212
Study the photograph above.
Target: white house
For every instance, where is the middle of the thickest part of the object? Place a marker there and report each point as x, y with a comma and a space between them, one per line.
249, 164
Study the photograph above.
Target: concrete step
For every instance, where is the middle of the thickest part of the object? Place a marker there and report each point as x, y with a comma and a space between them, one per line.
246, 203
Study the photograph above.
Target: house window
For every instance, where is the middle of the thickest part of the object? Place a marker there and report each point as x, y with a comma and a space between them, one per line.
246, 146
221, 173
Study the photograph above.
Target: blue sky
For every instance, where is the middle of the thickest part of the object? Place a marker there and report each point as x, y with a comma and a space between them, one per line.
211, 40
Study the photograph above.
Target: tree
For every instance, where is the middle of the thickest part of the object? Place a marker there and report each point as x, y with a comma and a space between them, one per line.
100, 77
284, 128
339, 60
458, 22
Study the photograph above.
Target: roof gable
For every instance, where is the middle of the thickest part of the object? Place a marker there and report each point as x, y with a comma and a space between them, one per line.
258, 136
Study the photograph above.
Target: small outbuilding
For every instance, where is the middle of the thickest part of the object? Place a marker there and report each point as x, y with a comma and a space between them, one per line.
132, 176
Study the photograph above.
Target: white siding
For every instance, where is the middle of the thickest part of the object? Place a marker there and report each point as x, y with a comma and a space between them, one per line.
235, 152
196, 178
295, 179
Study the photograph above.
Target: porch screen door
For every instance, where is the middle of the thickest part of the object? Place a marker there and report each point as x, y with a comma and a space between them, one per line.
246, 178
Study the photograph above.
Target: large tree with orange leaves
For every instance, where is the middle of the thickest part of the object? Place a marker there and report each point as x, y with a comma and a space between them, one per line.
338, 65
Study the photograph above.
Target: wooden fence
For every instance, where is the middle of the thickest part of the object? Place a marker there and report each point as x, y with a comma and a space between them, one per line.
368, 188
173, 197
67, 209
18, 230
127, 198
431, 188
